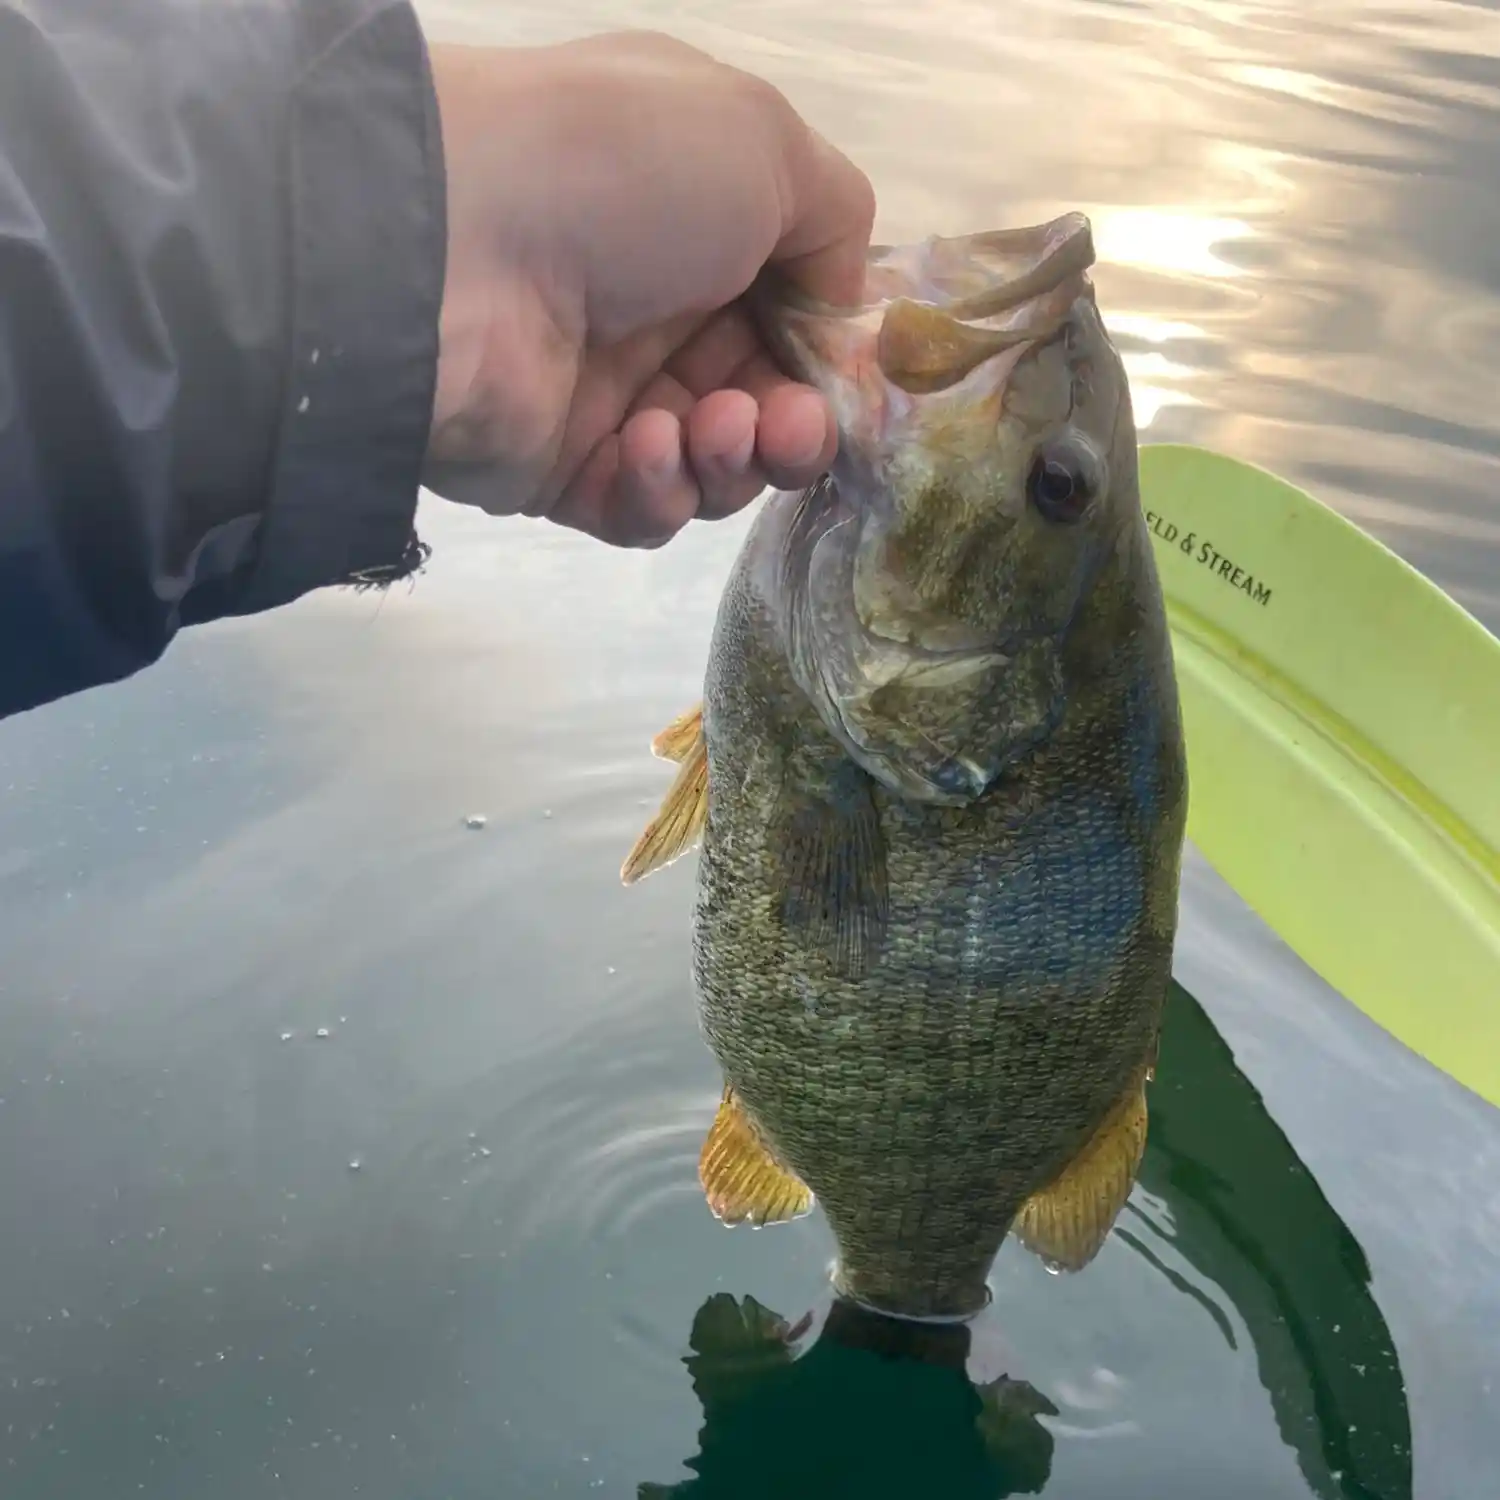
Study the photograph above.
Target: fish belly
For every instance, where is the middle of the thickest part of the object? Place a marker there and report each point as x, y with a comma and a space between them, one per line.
1015, 995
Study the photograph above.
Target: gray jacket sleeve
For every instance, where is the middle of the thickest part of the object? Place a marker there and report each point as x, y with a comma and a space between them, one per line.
222, 245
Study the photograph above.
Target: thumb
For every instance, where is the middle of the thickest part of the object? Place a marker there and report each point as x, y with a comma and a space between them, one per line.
828, 212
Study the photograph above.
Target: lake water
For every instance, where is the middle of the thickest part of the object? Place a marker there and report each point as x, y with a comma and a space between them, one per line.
454, 1248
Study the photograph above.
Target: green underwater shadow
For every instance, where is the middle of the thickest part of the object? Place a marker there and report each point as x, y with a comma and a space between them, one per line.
875, 1408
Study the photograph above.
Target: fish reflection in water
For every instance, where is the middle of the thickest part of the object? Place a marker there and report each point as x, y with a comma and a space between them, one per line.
874, 1407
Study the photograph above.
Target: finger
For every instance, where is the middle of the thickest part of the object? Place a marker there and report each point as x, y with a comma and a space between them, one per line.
721, 433
583, 503
828, 212
612, 385
655, 494
796, 438
616, 507
737, 446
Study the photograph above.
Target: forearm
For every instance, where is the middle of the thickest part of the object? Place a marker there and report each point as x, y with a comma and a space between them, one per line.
222, 233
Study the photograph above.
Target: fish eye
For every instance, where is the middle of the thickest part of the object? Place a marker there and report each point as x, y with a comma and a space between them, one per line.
1062, 482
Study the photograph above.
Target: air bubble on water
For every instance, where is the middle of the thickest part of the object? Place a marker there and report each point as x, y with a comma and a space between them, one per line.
286, 1036
323, 1033
612, 969
355, 1164
475, 820
547, 812
485, 1151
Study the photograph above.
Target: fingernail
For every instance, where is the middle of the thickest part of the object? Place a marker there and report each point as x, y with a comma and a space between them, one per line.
664, 470
737, 460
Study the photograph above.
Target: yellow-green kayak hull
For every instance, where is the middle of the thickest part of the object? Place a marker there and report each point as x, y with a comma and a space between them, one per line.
1342, 716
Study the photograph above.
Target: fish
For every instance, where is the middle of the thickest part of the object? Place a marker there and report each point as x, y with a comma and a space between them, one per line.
937, 785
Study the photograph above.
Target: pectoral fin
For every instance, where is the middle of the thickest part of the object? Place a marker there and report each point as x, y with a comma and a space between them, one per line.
1067, 1222
681, 737
833, 866
678, 824
742, 1179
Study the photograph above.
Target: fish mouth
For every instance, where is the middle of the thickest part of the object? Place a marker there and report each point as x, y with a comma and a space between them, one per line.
932, 312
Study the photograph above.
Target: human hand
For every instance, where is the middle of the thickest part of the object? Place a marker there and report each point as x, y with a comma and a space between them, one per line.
608, 202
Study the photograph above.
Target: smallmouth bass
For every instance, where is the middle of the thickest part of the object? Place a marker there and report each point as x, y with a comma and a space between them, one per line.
938, 783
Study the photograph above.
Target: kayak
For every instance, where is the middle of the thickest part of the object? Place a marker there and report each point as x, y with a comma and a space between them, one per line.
1342, 719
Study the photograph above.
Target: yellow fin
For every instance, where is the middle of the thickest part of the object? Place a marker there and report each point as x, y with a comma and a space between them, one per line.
742, 1180
679, 820
677, 740
1068, 1222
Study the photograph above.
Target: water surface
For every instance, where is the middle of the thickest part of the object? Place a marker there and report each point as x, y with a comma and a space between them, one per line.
454, 1247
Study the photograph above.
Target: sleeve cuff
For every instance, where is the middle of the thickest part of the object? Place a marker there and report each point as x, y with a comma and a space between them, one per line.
368, 245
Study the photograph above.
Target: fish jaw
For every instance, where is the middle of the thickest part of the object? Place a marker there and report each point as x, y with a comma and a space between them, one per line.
947, 314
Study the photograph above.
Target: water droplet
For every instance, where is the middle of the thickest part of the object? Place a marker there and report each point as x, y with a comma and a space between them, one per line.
355, 1164
323, 1033
612, 969
286, 1036
485, 1151
475, 820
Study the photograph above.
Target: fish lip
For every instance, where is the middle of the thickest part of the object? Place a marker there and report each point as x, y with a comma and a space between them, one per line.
1023, 309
